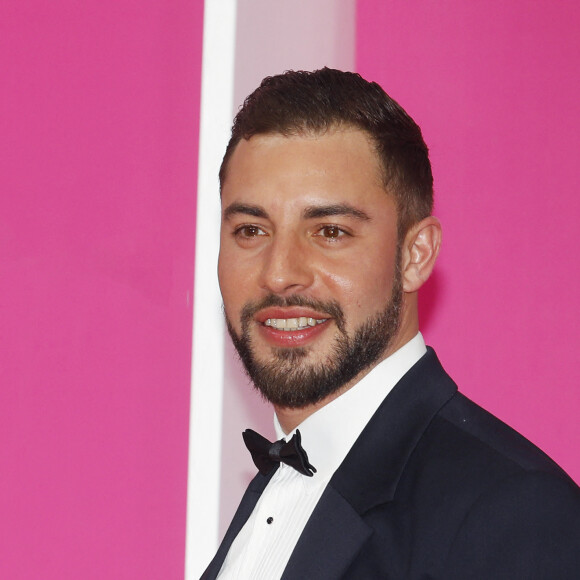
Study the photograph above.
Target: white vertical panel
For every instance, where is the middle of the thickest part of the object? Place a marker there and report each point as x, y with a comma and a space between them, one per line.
267, 37
273, 36
208, 337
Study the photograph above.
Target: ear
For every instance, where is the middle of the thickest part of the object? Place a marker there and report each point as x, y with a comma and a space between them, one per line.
419, 253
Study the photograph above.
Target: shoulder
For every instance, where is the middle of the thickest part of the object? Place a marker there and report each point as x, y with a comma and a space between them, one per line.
488, 439
525, 526
513, 511
466, 451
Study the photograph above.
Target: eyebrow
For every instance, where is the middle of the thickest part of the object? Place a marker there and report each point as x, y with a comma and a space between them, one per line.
340, 209
311, 212
245, 209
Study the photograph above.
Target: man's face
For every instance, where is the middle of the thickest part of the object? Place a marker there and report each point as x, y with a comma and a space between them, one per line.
308, 263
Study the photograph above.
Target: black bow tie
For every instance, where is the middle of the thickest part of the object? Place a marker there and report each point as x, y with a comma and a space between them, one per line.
268, 455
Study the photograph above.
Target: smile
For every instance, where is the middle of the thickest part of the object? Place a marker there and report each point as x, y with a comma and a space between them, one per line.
289, 324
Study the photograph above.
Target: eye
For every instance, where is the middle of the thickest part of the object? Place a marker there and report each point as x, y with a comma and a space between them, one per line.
249, 231
331, 232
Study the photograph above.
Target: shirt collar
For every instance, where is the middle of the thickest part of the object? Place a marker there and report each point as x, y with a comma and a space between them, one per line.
329, 433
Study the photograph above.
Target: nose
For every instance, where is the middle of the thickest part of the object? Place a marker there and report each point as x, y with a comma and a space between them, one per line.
287, 266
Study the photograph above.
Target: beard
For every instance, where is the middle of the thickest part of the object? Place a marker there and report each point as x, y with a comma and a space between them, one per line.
288, 380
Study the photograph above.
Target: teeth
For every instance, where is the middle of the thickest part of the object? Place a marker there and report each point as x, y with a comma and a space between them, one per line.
293, 323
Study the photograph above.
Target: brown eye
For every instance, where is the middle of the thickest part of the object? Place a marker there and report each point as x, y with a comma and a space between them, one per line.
331, 232
249, 231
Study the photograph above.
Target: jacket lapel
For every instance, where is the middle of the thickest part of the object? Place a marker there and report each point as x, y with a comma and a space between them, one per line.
369, 475
325, 549
373, 467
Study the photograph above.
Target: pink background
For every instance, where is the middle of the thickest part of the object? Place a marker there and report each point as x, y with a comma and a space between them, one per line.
495, 87
98, 152
98, 133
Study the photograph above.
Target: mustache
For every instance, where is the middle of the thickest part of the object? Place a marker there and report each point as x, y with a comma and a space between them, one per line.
331, 307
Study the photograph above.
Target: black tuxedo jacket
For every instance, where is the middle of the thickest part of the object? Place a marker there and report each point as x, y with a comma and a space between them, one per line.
434, 488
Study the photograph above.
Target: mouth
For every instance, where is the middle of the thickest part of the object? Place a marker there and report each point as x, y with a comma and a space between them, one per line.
290, 324
291, 327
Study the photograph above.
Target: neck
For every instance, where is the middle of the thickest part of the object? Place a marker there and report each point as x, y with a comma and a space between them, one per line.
290, 417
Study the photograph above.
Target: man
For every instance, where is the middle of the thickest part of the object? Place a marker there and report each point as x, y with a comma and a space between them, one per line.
327, 236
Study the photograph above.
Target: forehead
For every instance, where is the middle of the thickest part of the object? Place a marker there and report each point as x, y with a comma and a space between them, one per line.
341, 164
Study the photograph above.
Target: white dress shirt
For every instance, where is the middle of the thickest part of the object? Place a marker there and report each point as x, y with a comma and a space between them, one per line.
264, 545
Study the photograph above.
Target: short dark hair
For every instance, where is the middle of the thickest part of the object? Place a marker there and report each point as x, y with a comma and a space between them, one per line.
302, 102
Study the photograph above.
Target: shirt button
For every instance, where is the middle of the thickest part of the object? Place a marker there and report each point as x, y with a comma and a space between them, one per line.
270, 520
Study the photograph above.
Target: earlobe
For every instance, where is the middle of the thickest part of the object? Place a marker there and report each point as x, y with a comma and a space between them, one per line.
420, 250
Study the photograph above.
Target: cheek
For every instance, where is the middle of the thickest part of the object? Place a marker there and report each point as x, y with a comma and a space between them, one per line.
344, 289
361, 283
229, 282
237, 284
